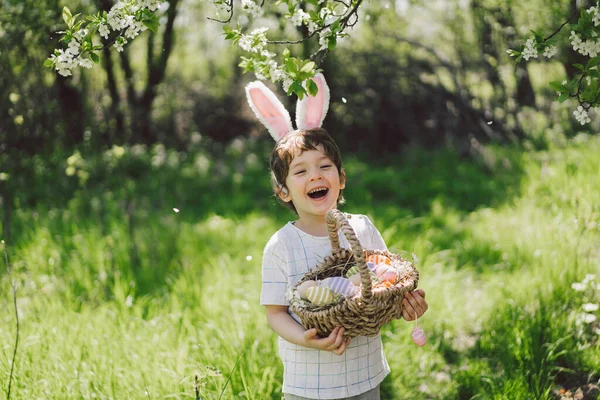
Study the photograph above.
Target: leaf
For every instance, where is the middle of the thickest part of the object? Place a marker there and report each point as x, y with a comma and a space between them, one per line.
579, 67
297, 88
286, 53
557, 86
308, 67
291, 66
152, 24
313, 89
332, 43
67, 16
49, 63
593, 62
563, 97
95, 58
335, 26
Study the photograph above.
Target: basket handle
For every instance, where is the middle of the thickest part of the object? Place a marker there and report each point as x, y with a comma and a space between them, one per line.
336, 221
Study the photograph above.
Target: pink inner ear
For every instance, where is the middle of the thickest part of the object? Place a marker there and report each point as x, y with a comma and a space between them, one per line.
315, 105
270, 113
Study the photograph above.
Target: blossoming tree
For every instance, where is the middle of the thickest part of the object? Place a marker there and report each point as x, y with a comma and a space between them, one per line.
585, 40
325, 20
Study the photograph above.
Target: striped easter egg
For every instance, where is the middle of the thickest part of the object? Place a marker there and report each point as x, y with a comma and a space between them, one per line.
303, 287
340, 285
418, 336
379, 259
319, 295
353, 271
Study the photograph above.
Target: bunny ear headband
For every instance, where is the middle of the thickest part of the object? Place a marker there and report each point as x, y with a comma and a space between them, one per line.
310, 111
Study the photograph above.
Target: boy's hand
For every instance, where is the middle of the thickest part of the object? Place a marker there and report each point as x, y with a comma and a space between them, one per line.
334, 343
414, 305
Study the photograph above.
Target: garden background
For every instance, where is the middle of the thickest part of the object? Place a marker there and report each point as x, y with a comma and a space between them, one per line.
135, 204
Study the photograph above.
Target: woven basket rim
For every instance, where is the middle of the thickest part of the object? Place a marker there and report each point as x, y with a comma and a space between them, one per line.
365, 314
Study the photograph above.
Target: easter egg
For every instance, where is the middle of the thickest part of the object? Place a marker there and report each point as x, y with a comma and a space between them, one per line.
301, 288
379, 259
355, 270
355, 279
352, 271
418, 336
386, 273
319, 295
340, 285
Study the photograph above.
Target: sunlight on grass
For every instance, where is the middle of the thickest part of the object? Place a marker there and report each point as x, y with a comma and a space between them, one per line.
111, 310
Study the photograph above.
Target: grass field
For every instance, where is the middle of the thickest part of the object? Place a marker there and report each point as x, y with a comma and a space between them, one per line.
122, 297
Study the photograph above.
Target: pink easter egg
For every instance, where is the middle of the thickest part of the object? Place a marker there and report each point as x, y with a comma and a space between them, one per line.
386, 273
418, 336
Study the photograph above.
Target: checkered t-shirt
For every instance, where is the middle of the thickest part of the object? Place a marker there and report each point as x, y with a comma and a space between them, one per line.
289, 254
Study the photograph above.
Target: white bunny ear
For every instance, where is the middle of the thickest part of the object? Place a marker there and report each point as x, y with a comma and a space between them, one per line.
269, 110
311, 111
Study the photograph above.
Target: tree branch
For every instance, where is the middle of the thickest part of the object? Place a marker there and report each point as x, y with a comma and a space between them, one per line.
573, 13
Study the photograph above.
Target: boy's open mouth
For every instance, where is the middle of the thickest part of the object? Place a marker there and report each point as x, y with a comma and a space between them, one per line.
318, 193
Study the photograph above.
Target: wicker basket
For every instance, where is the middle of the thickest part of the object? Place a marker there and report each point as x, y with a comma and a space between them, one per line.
371, 308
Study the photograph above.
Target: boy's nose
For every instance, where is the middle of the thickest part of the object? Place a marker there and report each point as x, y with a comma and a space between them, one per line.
316, 176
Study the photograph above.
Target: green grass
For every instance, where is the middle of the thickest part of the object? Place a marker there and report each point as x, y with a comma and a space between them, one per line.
123, 307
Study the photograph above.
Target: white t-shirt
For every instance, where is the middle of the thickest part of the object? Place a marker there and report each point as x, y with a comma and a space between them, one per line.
289, 254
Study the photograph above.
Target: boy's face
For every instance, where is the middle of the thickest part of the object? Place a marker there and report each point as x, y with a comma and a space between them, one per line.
313, 183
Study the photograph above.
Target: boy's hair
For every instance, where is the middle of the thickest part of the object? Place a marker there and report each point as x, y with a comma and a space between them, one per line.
302, 140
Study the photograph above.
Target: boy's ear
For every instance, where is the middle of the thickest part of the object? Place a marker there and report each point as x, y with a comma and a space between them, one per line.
342, 179
284, 194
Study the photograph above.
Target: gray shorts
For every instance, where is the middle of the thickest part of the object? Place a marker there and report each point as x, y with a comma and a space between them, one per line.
372, 394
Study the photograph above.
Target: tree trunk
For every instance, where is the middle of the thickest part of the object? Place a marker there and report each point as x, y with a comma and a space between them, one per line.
115, 106
157, 67
483, 25
72, 111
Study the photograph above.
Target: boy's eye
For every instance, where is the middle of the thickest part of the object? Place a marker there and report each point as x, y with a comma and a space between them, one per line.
326, 166
300, 171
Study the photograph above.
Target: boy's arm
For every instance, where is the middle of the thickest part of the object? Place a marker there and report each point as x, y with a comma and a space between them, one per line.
285, 326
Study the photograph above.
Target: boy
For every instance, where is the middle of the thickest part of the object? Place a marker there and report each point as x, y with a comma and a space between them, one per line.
307, 176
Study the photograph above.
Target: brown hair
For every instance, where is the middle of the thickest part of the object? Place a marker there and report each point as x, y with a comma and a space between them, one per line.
303, 140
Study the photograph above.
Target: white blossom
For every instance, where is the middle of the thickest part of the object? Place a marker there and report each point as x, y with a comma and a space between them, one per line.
596, 17
324, 38
255, 42
276, 73
581, 115
85, 63
299, 17
80, 34
312, 26
550, 51
118, 45
529, 51
121, 17
104, 30
590, 307
575, 41
252, 8
286, 83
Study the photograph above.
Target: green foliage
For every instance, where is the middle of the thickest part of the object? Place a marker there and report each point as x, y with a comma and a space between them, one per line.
151, 299
583, 33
